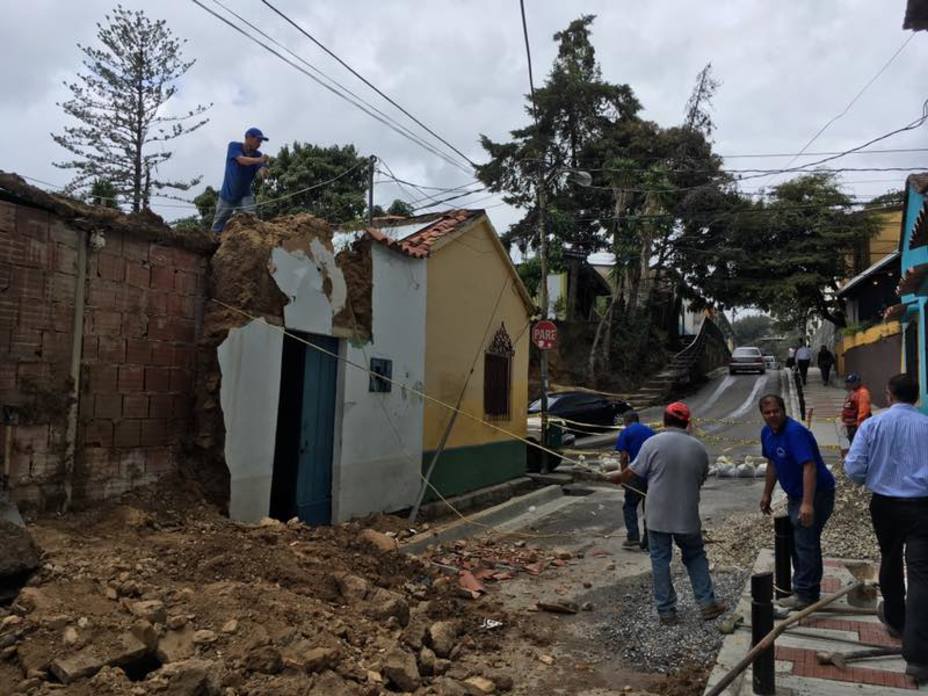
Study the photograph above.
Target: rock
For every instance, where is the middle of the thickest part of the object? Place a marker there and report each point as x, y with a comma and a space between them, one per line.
378, 540
266, 660
385, 604
128, 650
70, 636
442, 666
151, 610
270, 522
318, 659
449, 687
586, 606
442, 636
132, 517
374, 677
177, 622
230, 626
204, 637
176, 646
146, 633
547, 659
427, 662
79, 666
111, 593
190, 678
33, 599
414, 633
401, 670
563, 554
19, 554
480, 685
587, 585
351, 587
503, 682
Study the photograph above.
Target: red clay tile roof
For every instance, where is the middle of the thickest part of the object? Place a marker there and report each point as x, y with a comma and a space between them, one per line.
423, 239
397, 246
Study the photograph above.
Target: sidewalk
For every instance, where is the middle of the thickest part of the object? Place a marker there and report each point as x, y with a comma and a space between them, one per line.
823, 405
797, 669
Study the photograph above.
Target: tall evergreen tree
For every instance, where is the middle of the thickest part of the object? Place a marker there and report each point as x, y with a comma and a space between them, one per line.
118, 102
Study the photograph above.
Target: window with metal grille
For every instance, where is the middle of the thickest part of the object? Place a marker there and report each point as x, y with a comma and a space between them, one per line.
497, 376
381, 367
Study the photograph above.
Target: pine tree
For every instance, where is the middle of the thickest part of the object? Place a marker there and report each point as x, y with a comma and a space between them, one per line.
118, 102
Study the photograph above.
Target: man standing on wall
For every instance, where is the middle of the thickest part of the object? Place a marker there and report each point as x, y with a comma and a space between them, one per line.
675, 465
856, 407
889, 457
630, 440
243, 163
803, 360
794, 460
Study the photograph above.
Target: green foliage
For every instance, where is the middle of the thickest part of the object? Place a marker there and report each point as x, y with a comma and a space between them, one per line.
401, 208
102, 192
303, 166
752, 327
117, 101
530, 273
888, 199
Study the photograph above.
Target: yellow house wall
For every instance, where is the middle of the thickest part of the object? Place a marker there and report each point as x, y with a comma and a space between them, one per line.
465, 276
863, 338
886, 240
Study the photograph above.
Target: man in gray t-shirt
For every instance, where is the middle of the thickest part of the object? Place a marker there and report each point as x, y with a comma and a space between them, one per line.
675, 465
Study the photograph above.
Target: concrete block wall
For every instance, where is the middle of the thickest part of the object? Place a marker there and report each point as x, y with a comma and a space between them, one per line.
143, 301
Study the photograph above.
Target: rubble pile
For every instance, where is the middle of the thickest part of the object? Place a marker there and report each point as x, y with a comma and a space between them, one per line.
159, 594
848, 534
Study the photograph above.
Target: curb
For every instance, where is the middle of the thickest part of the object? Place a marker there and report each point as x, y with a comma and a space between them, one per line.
478, 522
791, 399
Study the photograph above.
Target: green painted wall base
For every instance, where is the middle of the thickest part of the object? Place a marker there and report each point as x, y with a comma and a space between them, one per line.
463, 469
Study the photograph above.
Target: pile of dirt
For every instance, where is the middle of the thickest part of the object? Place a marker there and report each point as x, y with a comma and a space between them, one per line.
848, 533
158, 593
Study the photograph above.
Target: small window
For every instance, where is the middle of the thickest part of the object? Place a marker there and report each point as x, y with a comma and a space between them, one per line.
382, 370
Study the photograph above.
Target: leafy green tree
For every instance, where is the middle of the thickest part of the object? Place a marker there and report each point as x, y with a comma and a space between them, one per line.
117, 102
401, 208
102, 192
748, 329
296, 182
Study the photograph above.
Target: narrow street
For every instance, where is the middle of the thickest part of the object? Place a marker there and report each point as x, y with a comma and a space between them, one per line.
617, 640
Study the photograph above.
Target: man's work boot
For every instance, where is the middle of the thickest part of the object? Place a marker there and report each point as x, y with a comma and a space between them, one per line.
891, 630
793, 603
669, 619
918, 672
631, 544
713, 611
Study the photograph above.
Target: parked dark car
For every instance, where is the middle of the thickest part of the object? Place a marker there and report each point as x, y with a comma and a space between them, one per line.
585, 409
747, 359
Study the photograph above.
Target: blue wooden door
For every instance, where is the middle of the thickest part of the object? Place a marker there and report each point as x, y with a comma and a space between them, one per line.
317, 433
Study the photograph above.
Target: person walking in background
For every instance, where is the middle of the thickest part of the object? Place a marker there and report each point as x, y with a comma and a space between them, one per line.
790, 358
630, 440
856, 407
675, 465
803, 360
794, 460
889, 456
825, 362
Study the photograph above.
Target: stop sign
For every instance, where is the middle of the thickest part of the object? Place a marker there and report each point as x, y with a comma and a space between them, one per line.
544, 334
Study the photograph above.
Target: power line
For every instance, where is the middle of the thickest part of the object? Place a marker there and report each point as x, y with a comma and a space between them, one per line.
877, 151
451, 198
853, 101
339, 94
528, 53
366, 81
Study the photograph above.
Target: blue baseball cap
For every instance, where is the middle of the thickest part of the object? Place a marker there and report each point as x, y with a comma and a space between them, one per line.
852, 378
255, 133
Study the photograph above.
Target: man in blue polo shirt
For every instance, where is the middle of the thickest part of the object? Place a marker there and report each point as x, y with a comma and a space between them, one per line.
629, 443
793, 460
243, 162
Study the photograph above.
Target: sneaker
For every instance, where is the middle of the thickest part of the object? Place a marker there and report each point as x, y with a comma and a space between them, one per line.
670, 619
918, 672
794, 603
713, 611
893, 632
633, 544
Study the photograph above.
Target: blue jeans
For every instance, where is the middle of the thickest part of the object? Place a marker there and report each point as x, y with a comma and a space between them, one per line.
697, 567
224, 210
807, 545
630, 508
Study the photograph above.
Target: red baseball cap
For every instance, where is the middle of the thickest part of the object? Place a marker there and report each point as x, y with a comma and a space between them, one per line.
678, 410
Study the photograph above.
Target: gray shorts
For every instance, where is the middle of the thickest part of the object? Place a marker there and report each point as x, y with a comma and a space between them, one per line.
224, 210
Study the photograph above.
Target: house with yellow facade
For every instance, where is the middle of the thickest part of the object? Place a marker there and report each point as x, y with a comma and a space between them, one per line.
477, 340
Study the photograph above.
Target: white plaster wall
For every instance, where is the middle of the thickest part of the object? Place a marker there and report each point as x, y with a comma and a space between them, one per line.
250, 360
301, 278
379, 457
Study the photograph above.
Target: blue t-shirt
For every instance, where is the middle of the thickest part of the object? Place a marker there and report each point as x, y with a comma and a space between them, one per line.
632, 438
237, 180
789, 449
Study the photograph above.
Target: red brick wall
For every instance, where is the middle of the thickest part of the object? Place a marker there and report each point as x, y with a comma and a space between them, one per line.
143, 301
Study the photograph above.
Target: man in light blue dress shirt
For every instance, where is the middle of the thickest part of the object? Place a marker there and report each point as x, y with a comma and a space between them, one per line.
889, 456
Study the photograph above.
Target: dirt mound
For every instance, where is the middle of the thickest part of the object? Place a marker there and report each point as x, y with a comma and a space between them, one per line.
159, 593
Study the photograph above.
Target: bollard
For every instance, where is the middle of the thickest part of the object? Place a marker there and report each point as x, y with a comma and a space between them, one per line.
783, 553
764, 679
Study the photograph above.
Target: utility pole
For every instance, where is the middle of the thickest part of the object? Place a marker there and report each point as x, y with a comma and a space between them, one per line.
543, 263
370, 191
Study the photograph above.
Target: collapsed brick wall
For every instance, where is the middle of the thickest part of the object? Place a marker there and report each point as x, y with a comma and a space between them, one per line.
143, 303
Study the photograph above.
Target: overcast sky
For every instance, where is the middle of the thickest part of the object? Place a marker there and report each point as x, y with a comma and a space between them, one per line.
459, 65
